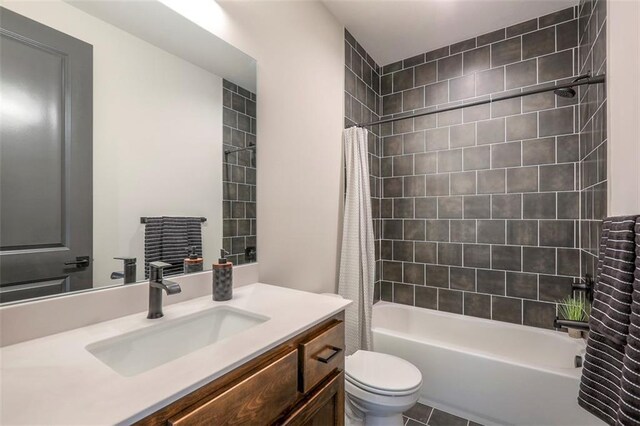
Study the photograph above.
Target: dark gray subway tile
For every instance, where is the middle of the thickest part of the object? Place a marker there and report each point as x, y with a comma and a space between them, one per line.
449, 118
392, 229
437, 53
491, 37
392, 271
413, 142
403, 80
522, 285
426, 208
538, 314
414, 186
567, 35
403, 165
492, 282
426, 74
386, 291
450, 161
538, 102
413, 273
539, 259
477, 255
463, 183
489, 81
491, 131
554, 288
491, 231
539, 151
476, 158
556, 121
557, 233
568, 205
506, 155
555, 66
556, 17
450, 301
491, 181
568, 262
413, 99
437, 139
462, 278
522, 232
450, 207
463, 135
396, 66
463, 231
403, 293
413, 61
386, 84
477, 60
506, 206
402, 250
426, 297
463, 45
506, 309
522, 27
437, 230
539, 206
450, 67
437, 184
392, 187
524, 126
403, 208
506, 258
426, 163
426, 252
476, 113
392, 104
477, 207
557, 177
568, 148
437, 276
462, 88
522, 179
539, 43
477, 305
450, 254
506, 107
506, 52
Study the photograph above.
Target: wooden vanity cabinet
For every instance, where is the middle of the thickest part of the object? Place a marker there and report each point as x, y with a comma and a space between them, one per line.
300, 382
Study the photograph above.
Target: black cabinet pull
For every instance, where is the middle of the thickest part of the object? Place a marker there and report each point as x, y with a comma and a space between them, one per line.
80, 262
327, 354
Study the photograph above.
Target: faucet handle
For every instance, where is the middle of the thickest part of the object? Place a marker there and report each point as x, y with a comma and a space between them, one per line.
127, 260
159, 265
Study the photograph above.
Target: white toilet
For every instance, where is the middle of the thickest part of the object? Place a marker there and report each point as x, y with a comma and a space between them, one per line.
379, 388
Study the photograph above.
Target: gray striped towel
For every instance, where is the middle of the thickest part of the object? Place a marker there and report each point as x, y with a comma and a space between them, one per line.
168, 239
609, 387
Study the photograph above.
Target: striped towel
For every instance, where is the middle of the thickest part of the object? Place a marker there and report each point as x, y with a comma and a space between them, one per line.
609, 387
168, 239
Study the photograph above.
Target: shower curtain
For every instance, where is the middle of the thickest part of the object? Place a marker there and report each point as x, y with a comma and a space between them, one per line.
357, 259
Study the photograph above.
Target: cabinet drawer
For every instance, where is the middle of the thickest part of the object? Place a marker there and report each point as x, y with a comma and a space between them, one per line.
257, 399
320, 355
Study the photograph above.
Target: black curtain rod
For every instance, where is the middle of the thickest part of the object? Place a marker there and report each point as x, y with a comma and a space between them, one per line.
143, 219
581, 82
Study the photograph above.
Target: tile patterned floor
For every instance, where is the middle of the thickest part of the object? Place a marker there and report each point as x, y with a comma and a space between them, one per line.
421, 415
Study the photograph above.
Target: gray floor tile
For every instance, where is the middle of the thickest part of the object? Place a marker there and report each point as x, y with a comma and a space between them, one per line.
440, 418
419, 412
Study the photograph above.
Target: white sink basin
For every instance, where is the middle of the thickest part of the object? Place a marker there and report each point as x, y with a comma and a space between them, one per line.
141, 350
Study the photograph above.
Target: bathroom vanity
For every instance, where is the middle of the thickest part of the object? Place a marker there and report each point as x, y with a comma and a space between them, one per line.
270, 355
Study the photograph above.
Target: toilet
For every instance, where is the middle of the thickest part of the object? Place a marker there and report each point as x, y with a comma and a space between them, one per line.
379, 388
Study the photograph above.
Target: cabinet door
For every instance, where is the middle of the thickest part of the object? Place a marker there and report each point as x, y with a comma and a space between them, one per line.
324, 407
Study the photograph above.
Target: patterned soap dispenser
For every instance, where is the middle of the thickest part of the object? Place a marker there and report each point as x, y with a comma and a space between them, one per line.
222, 278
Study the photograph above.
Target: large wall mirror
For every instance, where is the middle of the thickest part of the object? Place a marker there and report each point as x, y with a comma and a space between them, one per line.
127, 135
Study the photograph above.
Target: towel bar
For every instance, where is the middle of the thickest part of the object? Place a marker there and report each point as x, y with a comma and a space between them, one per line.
143, 219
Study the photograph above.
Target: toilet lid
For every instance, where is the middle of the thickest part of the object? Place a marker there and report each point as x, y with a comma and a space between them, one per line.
382, 373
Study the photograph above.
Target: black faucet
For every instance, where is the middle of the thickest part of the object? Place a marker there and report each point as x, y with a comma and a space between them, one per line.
129, 273
156, 285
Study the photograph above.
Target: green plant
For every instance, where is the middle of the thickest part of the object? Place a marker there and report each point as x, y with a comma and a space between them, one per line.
573, 309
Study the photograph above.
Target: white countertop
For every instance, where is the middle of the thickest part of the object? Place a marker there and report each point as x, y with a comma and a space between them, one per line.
55, 380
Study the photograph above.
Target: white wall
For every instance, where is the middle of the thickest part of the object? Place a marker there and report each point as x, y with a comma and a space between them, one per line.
299, 50
623, 104
157, 137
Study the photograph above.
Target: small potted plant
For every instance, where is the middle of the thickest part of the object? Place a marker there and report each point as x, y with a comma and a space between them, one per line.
574, 309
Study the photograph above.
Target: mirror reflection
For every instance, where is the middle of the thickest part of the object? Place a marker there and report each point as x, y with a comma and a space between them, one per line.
119, 147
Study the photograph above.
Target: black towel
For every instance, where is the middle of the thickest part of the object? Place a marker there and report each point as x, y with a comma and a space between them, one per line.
629, 411
614, 280
168, 239
603, 384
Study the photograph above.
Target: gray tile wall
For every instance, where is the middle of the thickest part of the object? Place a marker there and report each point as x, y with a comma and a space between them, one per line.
480, 207
239, 172
592, 23
362, 104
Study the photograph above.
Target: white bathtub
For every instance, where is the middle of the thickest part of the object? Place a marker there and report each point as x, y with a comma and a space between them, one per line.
487, 371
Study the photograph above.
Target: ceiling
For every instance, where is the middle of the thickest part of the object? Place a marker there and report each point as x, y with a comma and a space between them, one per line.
391, 30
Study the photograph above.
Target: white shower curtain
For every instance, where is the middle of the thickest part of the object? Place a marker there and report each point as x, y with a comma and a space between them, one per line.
357, 260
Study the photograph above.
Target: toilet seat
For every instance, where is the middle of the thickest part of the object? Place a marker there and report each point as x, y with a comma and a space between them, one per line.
382, 374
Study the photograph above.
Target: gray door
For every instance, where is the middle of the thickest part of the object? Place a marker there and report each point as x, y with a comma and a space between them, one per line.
46, 129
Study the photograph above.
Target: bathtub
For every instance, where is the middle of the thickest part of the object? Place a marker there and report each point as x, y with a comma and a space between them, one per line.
487, 371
